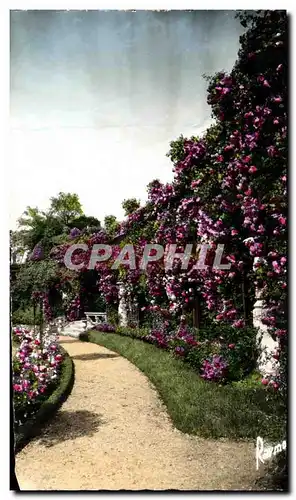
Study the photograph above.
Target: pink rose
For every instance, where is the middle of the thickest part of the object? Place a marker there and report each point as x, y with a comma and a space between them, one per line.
195, 183
282, 221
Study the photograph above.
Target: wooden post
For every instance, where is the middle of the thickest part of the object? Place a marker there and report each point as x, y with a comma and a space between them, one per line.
196, 313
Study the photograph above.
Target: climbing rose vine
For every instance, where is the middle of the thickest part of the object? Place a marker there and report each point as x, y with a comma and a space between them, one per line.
229, 187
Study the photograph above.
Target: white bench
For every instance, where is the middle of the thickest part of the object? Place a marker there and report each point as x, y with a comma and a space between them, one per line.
98, 318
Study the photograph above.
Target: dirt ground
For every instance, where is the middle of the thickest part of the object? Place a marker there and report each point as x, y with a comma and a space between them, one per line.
113, 433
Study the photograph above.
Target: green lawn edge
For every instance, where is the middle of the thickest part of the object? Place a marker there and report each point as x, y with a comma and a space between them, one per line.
195, 406
49, 407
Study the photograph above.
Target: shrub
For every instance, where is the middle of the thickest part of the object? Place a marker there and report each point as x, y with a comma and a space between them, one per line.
138, 333
158, 337
46, 408
196, 356
26, 317
241, 351
84, 337
113, 317
214, 368
183, 337
238, 349
251, 381
36, 368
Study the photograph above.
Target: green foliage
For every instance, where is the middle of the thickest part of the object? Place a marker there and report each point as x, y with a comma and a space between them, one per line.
84, 336
26, 317
244, 351
111, 225
65, 207
252, 381
130, 205
138, 333
33, 277
176, 152
195, 357
85, 223
39, 227
46, 229
112, 316
60, 239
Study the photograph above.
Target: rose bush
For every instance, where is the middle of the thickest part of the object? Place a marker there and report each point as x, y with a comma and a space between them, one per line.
36, 368
105, 327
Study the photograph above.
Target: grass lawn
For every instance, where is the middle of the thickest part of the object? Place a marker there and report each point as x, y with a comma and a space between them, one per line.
241, 410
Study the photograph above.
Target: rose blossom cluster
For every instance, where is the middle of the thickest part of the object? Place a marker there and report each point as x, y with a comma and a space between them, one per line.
214, 368
36, 366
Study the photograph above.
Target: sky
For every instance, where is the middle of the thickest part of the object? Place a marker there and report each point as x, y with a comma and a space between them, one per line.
97, 96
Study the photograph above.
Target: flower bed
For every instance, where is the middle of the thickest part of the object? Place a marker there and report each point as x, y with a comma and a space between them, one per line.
213, 356
40, 368
219, 355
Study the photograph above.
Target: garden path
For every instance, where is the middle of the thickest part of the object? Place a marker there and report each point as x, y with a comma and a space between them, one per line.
113, 433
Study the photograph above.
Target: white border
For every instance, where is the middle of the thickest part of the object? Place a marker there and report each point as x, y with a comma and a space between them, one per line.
4, 99
147, 5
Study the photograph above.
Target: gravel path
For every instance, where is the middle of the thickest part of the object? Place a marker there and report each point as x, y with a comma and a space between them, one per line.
113, 433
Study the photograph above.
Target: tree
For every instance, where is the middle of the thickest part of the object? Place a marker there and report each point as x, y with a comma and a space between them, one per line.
37, 227
130, 205
85, 222
34, 226
111, 225
65, 207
